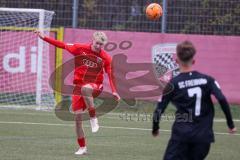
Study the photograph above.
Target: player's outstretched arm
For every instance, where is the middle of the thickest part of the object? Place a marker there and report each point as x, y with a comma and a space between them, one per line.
227, 112
216, 91
161, 106
109, 71
52, 41
114, 92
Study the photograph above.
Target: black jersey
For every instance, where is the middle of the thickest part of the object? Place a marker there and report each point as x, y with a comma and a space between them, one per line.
191, 93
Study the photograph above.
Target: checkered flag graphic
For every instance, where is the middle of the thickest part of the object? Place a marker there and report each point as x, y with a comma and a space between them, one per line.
164, 63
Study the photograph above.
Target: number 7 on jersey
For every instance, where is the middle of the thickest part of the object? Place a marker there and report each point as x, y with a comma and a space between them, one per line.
198, 92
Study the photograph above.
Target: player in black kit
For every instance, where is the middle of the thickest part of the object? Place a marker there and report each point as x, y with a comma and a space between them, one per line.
190, 92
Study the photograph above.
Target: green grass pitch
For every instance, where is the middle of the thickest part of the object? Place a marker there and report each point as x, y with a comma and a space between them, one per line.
39, 135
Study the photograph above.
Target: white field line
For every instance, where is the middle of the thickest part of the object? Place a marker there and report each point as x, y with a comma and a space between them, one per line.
115, 116
107, 127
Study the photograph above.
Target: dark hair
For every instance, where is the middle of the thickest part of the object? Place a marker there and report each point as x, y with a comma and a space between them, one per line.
185, 51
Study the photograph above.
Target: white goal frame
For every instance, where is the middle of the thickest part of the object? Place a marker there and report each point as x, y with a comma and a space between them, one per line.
40, 46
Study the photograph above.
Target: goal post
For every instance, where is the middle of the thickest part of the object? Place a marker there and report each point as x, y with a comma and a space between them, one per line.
25, 59
39, 59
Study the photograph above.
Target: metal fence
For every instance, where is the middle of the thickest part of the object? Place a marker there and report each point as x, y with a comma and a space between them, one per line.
218, 17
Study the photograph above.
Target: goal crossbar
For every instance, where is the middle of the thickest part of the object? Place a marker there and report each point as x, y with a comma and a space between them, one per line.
25, 10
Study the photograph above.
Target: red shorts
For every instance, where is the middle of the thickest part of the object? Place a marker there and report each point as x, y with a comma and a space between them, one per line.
78, 103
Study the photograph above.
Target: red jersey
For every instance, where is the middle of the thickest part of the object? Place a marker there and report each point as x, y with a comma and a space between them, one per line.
89, 65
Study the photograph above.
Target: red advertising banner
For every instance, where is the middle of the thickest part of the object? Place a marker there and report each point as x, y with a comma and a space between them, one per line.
216, 56
18, 62
135, 55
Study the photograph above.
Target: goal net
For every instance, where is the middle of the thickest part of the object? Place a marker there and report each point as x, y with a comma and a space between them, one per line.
24, 58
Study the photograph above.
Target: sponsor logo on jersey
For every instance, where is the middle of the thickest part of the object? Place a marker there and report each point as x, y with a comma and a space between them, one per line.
89, 63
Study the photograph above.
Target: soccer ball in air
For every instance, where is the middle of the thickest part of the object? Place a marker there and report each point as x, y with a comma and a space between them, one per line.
154, 11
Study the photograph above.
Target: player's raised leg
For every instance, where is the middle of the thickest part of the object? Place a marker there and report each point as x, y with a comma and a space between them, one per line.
87, 94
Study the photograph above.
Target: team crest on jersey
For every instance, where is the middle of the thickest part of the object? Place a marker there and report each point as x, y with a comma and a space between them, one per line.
163, 59
99, 60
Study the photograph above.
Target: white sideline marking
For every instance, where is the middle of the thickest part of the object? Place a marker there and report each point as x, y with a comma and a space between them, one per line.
108, 127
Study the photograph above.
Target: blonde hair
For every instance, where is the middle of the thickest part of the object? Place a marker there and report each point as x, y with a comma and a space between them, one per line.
100, 37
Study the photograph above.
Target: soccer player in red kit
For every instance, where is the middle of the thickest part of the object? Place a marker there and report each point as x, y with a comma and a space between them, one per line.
88, 79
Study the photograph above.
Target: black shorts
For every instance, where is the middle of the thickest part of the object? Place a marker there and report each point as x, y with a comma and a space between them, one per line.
177, 150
